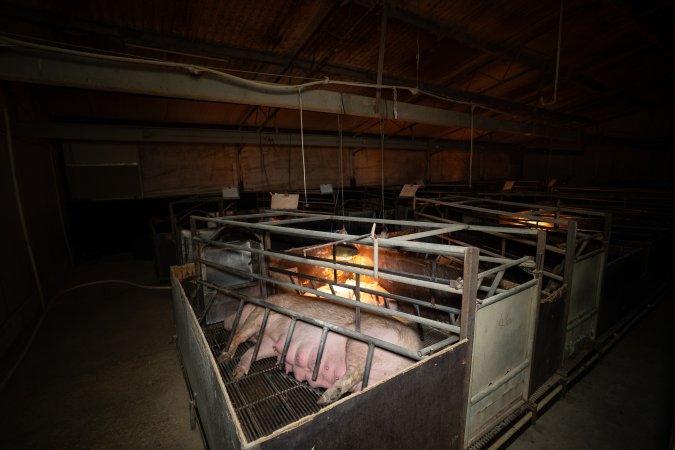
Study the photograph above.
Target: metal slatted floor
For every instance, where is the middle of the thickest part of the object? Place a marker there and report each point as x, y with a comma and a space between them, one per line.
266, 399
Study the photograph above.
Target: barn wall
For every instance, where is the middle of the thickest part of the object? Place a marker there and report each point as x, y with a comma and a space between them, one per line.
452, 166
400, 167
40, 189
272, 168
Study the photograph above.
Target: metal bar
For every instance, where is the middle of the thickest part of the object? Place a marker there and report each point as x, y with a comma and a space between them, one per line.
482, 228
357, 298
261, 333
368, 220
341, 300
318, 323
342, 267
508, 293
423, 234
502, 232
235, 324
210, 303
553, 275
135, 133
376, 257
385, 295
590, 254
266, 243
468, 311
515, 262
31, 63
437, 346
369, 363
415, 246
495, 283
319, 355
295, 221
482, 250
196, 251
344, 241
420, 328
498, 212
287, 344
380, 56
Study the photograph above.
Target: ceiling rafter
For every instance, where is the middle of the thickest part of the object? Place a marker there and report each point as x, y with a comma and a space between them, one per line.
316, 24
162, 134
497, 49
196, 48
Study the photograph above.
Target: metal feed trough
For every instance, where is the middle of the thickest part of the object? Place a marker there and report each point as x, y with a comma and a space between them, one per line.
478, 329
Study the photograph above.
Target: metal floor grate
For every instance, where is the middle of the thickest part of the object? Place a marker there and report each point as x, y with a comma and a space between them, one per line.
266, 399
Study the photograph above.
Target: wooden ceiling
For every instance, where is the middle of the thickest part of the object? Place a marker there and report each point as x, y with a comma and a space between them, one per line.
614, 83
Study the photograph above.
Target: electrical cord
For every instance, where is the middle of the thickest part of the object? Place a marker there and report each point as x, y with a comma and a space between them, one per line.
14, 367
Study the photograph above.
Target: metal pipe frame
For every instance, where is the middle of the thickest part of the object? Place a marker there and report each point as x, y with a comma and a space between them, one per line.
508, 293
393, 275
550, 248
316, 322
535, 214
385, 295
337, 299
508, 215
410, 246
341, 267
503, 267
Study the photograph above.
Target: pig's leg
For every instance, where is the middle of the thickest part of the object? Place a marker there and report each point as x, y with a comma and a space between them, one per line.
355, 357
244, 332
353, 375
266, 350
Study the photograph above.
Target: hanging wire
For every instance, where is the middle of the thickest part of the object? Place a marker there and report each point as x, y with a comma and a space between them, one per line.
417, 58
302, 147
557, 63
341, 192
473, 107
382, 167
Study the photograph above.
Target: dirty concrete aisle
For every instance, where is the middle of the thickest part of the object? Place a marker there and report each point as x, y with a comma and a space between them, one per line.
103, 371
624, 402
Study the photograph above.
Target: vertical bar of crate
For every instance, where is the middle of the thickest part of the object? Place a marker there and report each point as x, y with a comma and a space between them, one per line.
570, 257
200, 271
264, 271
467, 328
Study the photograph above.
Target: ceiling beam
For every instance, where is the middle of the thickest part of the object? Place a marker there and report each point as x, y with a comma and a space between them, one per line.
163, 42
50, 68
162, 134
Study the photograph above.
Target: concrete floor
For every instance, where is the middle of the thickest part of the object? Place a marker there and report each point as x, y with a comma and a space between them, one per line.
103, 371
624, 402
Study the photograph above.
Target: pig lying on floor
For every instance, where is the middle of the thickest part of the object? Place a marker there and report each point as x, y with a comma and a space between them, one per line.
343, 361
